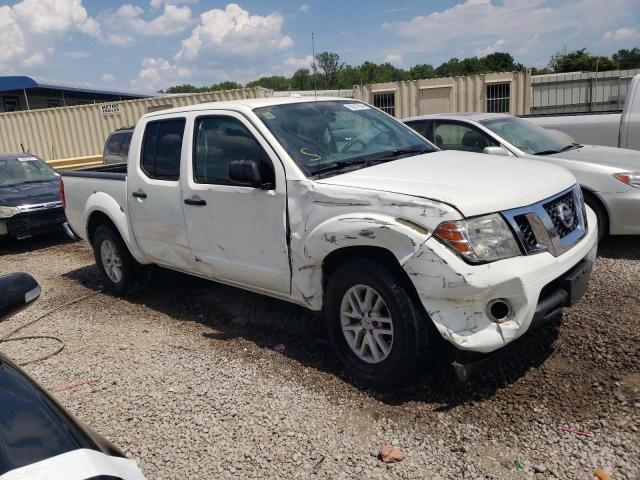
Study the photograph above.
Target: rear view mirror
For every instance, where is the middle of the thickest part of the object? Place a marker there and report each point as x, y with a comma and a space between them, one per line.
496, 151
17, 291
246, 173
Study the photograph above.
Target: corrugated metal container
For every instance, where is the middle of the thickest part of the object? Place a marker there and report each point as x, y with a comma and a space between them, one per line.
580, 91
80, 131
507, 92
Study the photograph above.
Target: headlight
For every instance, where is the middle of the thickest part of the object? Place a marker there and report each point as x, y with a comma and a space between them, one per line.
480, 239
6, 212
630, 178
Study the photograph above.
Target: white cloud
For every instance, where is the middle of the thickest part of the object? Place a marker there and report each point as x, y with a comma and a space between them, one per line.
159, 3
45, 16
622, 35
291, 64
482, 52
393, 58
159, 73
29, 26
233, 31
107, 77
306, 8
127, 22
76, 54
477, 24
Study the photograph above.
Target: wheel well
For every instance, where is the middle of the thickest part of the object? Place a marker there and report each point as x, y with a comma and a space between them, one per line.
595, 199
376, 254
95, 220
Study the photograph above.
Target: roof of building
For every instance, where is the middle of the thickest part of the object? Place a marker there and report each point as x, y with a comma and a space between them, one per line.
20, 82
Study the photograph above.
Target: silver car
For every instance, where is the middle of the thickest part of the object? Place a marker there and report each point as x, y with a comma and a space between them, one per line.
610, 177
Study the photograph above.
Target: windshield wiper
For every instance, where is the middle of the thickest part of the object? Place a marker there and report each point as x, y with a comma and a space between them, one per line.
563, 149
342, 164
398, 152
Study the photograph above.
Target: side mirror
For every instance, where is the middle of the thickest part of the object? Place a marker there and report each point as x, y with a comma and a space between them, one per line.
17, 291
496, 151
246, 173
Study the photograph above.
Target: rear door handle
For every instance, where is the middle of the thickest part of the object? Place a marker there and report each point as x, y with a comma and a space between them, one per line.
198, 202
139, 194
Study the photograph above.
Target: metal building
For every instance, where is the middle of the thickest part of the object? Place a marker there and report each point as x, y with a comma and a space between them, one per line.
27, 93
80, 131
508, 92
580, 91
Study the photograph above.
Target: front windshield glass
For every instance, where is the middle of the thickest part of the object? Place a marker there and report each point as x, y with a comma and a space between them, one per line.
27, 169
335, 135
527, 136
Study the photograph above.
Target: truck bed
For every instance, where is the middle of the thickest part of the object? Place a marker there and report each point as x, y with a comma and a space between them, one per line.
114, 171
591, 128
105, 185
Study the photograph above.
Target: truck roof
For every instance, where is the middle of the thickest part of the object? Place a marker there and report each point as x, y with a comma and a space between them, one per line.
245, 104
476, 116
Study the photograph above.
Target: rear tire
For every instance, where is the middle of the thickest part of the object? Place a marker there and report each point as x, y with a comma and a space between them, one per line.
601, 214
381, 345
116, 265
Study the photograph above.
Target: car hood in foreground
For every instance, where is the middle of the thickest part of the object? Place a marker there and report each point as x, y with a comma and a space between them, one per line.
622, 159
473, 183
30, 194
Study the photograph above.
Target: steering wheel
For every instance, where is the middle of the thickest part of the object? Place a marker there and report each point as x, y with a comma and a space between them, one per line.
351, 143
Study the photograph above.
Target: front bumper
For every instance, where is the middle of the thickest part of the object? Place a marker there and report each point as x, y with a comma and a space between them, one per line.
455, 294
27, 224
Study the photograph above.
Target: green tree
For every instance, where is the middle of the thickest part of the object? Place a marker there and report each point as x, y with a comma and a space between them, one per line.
328, 63
301, 80
500, 62
275, 82
184, 88
420, 71
580, 60
627, 59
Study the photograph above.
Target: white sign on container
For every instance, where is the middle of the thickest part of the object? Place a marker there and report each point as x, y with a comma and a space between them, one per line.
110, 109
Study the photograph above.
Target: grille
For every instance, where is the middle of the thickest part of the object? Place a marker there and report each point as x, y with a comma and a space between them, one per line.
554, 209
26, 224
528, 237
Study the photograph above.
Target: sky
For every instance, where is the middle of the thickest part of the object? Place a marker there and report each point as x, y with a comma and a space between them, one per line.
147, 45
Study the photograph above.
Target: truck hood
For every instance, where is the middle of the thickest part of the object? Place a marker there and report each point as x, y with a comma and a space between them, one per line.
473, 183
622, 159
30, 194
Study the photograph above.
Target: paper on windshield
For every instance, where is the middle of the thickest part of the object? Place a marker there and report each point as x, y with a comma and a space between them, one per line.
356, 106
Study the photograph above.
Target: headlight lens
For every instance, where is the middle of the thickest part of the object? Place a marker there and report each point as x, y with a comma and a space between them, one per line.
6, 212
630, 178
480, 239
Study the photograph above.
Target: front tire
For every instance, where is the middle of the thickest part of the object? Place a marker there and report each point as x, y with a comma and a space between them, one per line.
115, 263
377, 330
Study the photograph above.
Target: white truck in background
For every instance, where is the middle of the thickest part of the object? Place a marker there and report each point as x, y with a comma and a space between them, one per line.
338, 207
609, 129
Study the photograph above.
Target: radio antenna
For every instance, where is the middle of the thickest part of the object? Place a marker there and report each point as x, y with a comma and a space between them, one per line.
315, 68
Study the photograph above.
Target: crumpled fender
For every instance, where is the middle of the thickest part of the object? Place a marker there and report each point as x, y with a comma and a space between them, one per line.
106, 204
326, 218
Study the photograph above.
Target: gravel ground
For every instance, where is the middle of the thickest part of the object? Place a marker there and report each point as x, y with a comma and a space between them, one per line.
184, 378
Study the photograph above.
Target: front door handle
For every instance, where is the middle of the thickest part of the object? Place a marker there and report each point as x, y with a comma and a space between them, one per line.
196, 201
139, 194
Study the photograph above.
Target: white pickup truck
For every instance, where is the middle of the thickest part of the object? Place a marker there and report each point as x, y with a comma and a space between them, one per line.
617, 129
338, 207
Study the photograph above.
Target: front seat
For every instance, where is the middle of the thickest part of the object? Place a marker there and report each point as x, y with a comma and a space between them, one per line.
474, 141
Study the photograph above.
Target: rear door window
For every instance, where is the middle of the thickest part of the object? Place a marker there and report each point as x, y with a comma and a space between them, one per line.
162, 149
124, 147
114, 143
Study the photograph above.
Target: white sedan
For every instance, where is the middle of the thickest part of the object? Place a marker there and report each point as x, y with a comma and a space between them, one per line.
609, 177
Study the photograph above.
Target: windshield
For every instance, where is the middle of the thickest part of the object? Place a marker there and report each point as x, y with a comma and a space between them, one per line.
527, 136
333, 135
27, 169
